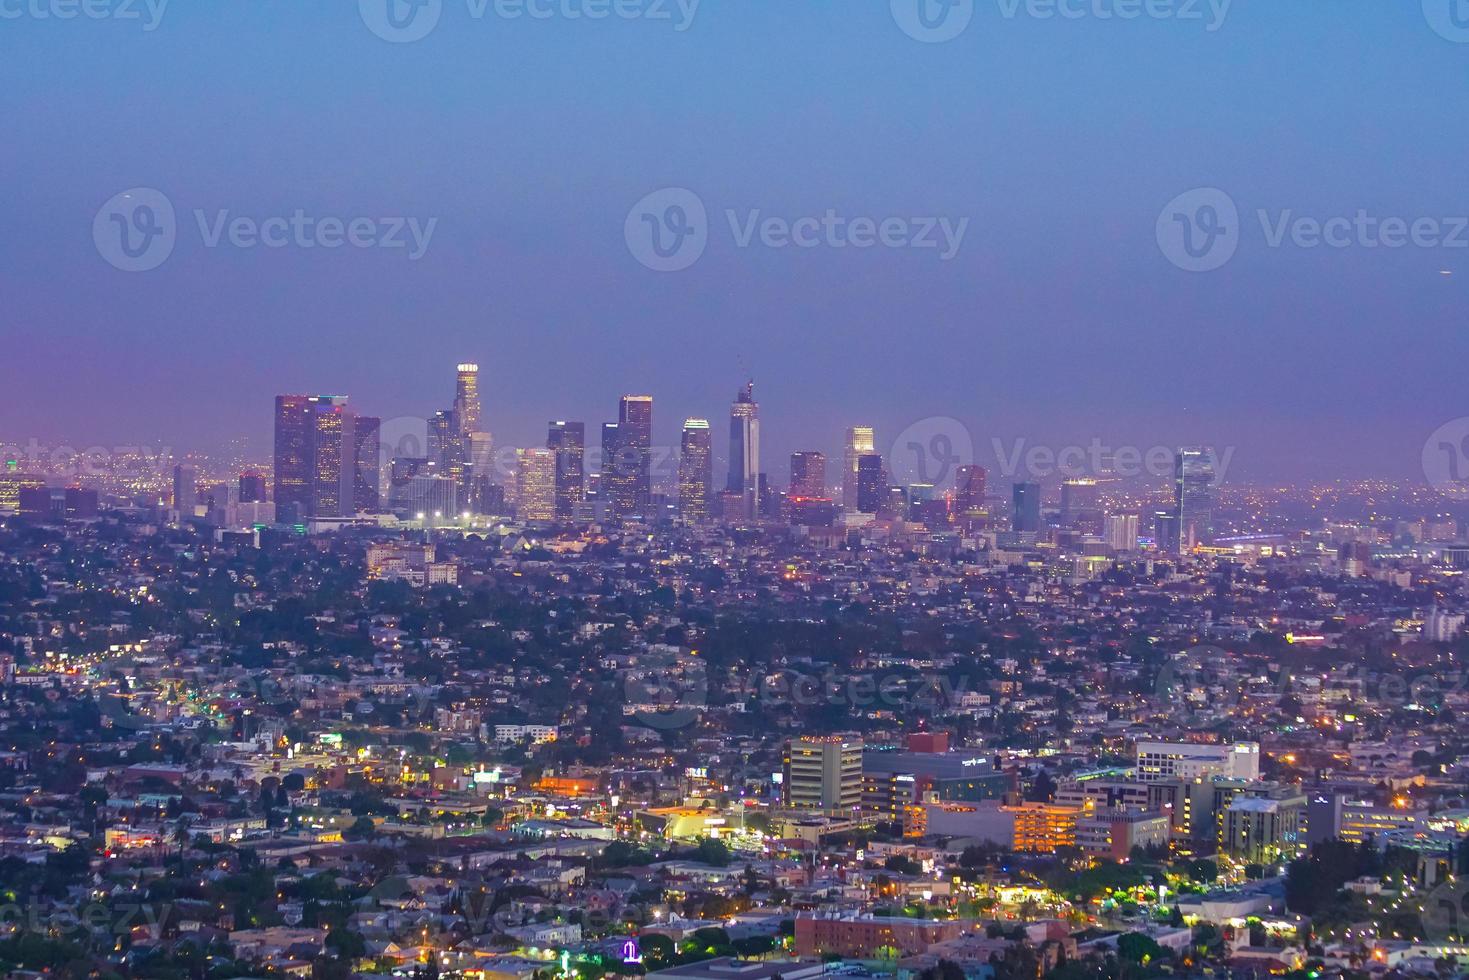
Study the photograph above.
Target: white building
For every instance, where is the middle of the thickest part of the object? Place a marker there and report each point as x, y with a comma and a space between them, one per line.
1185, 760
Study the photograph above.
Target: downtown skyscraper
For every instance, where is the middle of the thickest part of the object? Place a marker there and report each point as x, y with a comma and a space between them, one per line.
744, 450
695, 470
1195, 482
316, 458
627, 449
860, 441
568, 440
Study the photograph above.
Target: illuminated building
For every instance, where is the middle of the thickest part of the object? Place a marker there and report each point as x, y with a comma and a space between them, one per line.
808, 474
867, 937
695, 469
1121, 531
969, 490
466, 400
1188, 760
1195, 480
627, 447
315, 449
367, 474
860, 441
1114, 833
744, 449
568, 440
823, 773
1041, 828
536, 485
1266, 825
11, 484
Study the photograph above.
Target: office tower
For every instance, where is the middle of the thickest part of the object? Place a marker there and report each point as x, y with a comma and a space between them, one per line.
859, 442
1026, 515
367, 480
1081, 505
823, 773
568, 440
315, 457
1195, 480
1166, 532
695, 470
333, 459
466, 400
744, 448
871, 484
808, 475
969, 489
252, 487
536, 485
185, 490
631, 460
1189, 760
293, 424
1122, 532
443, 438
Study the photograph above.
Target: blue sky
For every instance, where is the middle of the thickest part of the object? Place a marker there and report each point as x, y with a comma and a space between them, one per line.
1059, 140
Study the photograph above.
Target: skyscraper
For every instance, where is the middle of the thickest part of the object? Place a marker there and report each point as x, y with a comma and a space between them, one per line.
367, 486
969, 489
1026, 513
466, 400
859, 441
1081, 505
536, 485
872, 487
252, 487
315, 457
823, 773
631, 493
185, 490
695, 469
744, 448
568, 440
808, 475
1122, 532
1195, 480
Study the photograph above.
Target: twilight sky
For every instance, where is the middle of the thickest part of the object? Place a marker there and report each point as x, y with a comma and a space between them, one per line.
1059, 319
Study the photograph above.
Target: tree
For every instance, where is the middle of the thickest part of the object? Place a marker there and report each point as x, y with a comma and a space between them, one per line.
1138, 948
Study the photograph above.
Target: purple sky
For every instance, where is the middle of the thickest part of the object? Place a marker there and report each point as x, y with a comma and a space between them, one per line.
1060, 140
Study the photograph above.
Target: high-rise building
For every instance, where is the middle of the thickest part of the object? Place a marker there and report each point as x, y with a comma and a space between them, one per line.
252, 487
466, 400
367, 480
630, 493
823, 773
568, 440
1026, 512
808, 474
872, 487
536, 485
695, 470
315, 457
443, 438
1081, 505
860, 441
185, 490
744, 448
969, 489
1195, 480
1122, 532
